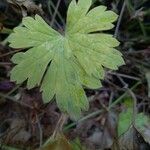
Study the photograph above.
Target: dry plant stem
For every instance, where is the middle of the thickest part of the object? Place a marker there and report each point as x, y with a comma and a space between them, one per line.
123, 95
55, 12
111, 97
14, 89
114, 85
49, 7
40, 130
16, 101
119, 20
59, 127
9, 53
5, 63
124, 75
10, 92
59, 15
138, 52
50, 12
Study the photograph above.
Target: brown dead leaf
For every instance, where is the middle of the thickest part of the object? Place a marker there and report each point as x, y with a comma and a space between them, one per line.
17, 131
98, 133
26, 6
61, 143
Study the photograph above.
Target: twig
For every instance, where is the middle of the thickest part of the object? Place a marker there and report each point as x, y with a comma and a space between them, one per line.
123, 95
124, 75
83, 119
40, 130
10, 92
59, 15
50, 12
16, 101
59, 125
5, 63
55, 12
111, 97
119, 20
13, 90
9, 53
49, 7
139, 51
58, 128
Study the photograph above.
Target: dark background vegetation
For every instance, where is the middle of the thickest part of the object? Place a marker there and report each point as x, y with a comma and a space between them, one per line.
26, 128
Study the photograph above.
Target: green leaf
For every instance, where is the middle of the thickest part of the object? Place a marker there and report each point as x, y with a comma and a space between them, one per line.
125, 121
62, 65
126, 118
76, 145
143, 126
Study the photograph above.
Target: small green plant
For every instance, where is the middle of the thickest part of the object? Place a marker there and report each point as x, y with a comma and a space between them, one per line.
62, 64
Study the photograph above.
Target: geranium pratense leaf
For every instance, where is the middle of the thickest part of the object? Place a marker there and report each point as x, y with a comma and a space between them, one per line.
62, 65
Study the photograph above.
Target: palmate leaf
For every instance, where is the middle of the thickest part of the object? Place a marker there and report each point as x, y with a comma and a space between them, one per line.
62, 65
